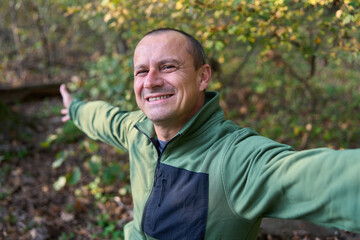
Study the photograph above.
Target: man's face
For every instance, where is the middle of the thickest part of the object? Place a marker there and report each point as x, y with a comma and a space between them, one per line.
168, 89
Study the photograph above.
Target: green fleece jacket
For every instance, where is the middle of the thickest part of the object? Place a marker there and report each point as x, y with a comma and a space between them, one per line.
216, 180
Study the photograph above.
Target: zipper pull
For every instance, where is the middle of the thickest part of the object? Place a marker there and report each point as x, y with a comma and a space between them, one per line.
163, 182
156, 171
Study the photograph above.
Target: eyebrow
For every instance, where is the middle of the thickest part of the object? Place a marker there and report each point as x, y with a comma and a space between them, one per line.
170, 60
161, 62
141, 66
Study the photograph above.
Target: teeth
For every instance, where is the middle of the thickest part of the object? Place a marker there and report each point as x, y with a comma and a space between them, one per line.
158, 98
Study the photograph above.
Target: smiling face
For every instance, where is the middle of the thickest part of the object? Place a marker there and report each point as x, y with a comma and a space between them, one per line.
168, 89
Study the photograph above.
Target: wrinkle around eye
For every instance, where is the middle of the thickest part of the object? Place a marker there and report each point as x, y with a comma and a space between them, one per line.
169, 69
141, 73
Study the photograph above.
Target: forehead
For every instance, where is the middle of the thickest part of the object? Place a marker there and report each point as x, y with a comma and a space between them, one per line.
156, 46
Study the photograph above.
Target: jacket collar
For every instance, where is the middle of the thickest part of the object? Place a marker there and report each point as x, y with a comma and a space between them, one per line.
212, 106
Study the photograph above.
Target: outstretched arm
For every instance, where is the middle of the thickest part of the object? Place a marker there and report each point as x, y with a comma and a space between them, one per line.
67, 99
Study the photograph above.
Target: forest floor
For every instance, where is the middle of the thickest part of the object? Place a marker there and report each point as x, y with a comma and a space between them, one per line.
30, 208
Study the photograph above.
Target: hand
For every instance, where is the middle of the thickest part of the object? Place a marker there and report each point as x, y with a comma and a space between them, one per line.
67, 99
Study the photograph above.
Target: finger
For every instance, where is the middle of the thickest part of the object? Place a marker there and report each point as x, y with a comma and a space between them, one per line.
65, 118
63, 90
65, 111
66, 96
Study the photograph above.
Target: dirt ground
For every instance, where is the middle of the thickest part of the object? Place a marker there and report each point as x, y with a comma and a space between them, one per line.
31, 209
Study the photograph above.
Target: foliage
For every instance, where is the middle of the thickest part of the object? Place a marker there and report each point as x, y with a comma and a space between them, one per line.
109, 178
277, 48
111, 78
109, 172
14, 126
287, 68
65, 236
110, 230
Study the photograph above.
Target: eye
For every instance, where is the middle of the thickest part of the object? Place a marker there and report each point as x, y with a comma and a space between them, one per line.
141, 73
168, 68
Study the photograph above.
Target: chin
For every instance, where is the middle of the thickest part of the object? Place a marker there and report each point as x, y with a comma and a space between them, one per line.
157, 118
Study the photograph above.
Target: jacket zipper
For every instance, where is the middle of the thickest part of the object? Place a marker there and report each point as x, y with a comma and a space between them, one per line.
158, 160
155, 179
156, 174
163, 181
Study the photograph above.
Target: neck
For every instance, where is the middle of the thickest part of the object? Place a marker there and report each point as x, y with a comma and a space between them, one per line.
166, 133
166, 130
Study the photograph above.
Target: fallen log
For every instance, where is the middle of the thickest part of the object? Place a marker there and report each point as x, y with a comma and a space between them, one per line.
28, 92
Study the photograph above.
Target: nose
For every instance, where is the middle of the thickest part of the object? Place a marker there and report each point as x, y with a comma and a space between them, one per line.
153, 79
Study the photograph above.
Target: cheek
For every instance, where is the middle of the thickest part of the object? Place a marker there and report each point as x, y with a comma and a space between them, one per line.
137, 88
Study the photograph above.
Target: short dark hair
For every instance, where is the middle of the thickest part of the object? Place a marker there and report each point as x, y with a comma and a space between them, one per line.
194, 46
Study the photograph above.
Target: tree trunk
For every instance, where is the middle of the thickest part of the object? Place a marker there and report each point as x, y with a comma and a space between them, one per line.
40, 24
14, 27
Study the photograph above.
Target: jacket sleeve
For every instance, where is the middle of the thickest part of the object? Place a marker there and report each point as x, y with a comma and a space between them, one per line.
263, 178
102, 121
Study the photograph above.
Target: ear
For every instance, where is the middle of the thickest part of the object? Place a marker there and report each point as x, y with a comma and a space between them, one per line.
204, 75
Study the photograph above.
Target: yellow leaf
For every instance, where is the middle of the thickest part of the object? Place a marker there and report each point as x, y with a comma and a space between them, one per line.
88, 6
107, 17
217, 85
104, 2
125, 12
338, 13
179, 5
121, 20
217, 14
297, 130
313, 2
221, 59
280, 31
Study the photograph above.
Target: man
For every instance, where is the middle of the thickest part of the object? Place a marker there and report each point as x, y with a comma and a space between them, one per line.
195, 175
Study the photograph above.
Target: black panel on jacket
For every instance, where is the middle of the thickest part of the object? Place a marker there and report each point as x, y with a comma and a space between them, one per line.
177, 207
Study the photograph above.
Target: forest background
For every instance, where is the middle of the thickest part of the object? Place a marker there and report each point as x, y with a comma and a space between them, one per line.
287, 68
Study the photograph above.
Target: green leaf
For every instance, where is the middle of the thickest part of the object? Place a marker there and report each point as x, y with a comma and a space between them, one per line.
49, 140
74, 176
60, 183
219, 45
60, 158
95, 165
347, 19
111, 173
91, 146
